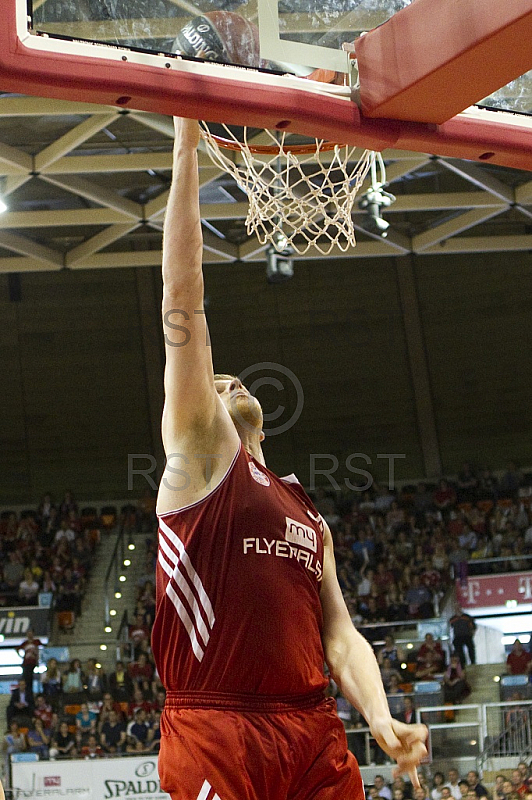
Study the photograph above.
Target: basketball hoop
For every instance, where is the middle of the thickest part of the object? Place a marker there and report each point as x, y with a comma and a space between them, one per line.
298, 198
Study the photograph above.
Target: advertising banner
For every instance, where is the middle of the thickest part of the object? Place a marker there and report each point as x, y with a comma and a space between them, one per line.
480, 591
15, 622
135, 778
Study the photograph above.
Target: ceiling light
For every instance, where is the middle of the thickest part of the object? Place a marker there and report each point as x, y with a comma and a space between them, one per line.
3, 206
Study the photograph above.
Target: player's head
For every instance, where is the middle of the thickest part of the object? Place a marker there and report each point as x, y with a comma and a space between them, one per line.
244, 409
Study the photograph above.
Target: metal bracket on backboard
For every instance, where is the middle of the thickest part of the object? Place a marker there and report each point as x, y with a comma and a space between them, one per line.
285, 51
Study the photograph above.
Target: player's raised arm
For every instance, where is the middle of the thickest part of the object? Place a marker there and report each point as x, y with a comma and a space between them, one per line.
189, 386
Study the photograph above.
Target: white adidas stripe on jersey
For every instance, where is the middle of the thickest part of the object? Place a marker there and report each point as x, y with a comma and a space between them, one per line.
204, 792
182, 612
178, 544
185, 588
181, 571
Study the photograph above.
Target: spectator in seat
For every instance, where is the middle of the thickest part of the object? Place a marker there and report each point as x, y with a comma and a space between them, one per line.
430, 645
13, 742
391, 651
121, 684
138, 633
467, 484
446, 793
444, 498
438, 781
518, 661
113, 734
453, 780
160, 698
395, 697
69, 593
64, 532
518, 785
428, 668
139, 727
154, 736
382, 787
20, 703
139, 701
498, 792
13, 572
141, 673
109, 705
95, 680
85, 724
408, 715
43, 711
63, 743
52, 683
93, 748
28, 589
455, 685
418, 599
474, 783
524, 769
73, 678
37, 740
387, 673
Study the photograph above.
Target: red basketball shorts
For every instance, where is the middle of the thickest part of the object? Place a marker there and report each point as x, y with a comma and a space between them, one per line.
227, 754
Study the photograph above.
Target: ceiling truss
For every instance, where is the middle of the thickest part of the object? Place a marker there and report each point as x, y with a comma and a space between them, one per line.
86, 187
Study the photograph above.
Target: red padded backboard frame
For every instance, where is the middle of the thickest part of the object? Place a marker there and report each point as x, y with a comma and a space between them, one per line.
225, 94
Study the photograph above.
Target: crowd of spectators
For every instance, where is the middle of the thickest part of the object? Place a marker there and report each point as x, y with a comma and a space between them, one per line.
47, 551
514, 784
83, 710
397, 552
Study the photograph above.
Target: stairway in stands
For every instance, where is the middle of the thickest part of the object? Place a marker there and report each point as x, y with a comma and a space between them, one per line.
89, 634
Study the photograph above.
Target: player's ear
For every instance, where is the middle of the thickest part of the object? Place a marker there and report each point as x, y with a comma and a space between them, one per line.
262, 436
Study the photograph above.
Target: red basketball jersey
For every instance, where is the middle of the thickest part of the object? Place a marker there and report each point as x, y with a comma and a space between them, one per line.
238, 583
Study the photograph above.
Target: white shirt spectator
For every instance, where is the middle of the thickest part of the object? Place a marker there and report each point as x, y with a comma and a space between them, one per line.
64, 533
455, 790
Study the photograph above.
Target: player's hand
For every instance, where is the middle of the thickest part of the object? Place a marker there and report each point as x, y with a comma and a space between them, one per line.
187, 131
406, 744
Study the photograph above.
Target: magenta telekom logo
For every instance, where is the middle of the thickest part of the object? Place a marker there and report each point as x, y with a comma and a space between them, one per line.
52, 780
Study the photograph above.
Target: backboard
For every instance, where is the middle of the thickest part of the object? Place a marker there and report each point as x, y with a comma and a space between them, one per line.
123, 52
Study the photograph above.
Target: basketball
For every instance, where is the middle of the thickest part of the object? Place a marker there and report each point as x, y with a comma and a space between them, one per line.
221, 36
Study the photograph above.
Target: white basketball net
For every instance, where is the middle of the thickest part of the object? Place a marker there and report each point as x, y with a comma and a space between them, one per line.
296, 200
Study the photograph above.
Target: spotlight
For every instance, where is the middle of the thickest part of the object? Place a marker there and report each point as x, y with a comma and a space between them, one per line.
103, 647
108, 629
279, 264
131, 546
373, 201
127, 562
112, 612
376, 199
118, 595
122, 578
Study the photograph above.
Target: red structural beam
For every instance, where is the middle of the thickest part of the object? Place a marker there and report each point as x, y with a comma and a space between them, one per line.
435, 58
219, 99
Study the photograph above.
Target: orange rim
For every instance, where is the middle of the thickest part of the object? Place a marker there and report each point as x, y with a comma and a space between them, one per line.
271, 149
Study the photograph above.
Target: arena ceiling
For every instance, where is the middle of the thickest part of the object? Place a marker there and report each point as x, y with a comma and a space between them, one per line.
86, 187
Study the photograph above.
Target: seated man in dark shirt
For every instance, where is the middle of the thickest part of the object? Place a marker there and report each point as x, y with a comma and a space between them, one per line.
140, 728
113, 735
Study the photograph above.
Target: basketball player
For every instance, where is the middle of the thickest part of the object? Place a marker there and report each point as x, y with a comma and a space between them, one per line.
248, 604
